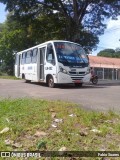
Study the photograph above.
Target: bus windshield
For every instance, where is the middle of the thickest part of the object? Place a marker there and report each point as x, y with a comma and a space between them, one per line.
71, 54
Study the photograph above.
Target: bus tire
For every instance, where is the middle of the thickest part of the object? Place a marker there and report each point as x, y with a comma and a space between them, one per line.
50, 82
25, 80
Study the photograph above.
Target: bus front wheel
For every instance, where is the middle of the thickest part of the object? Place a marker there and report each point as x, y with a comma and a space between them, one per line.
50, 82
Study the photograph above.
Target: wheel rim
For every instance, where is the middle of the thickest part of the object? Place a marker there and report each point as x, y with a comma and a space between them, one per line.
51, 82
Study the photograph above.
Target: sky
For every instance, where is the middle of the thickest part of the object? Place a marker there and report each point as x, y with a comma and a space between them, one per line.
2, 13
110, 39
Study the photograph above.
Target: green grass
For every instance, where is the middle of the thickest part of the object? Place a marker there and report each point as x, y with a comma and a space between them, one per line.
25, 117
8, 77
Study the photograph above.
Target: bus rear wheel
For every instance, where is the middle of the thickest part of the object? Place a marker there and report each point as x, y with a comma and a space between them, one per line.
25, 80
50, 82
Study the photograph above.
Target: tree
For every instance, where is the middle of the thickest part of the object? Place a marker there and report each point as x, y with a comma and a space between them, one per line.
18, 35
83, 18
1, 27
13, 37
34, 21
109, 53
117, 49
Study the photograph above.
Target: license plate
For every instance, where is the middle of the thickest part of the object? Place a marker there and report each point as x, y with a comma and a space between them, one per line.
77, 81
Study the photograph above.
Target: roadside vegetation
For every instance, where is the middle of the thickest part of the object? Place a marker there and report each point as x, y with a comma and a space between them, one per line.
33, 124
6, 76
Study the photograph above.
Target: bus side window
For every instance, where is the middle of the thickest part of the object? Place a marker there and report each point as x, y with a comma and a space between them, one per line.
28, 56
20, 58
50, 54
23, 58
34, 55
15, 58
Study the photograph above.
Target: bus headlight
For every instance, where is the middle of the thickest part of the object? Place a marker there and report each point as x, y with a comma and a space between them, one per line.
63, 70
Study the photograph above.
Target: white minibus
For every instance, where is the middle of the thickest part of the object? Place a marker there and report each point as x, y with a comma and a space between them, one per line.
53, 62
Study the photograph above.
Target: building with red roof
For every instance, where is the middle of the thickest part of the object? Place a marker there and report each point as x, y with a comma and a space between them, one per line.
105, 68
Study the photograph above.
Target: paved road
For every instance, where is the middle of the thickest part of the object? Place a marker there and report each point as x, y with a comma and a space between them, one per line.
101, 97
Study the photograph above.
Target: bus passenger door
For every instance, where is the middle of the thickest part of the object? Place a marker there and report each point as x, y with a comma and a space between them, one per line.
41, 63
50, 63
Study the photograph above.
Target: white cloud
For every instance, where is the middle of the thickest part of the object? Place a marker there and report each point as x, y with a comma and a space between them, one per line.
111, 37
113, 23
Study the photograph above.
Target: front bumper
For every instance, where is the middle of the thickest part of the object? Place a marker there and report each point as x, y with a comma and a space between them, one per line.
73, 77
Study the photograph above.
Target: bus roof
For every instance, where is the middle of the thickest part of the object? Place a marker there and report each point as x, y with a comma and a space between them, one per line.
45, 43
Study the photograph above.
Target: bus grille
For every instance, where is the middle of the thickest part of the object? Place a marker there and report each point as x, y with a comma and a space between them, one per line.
77, 75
